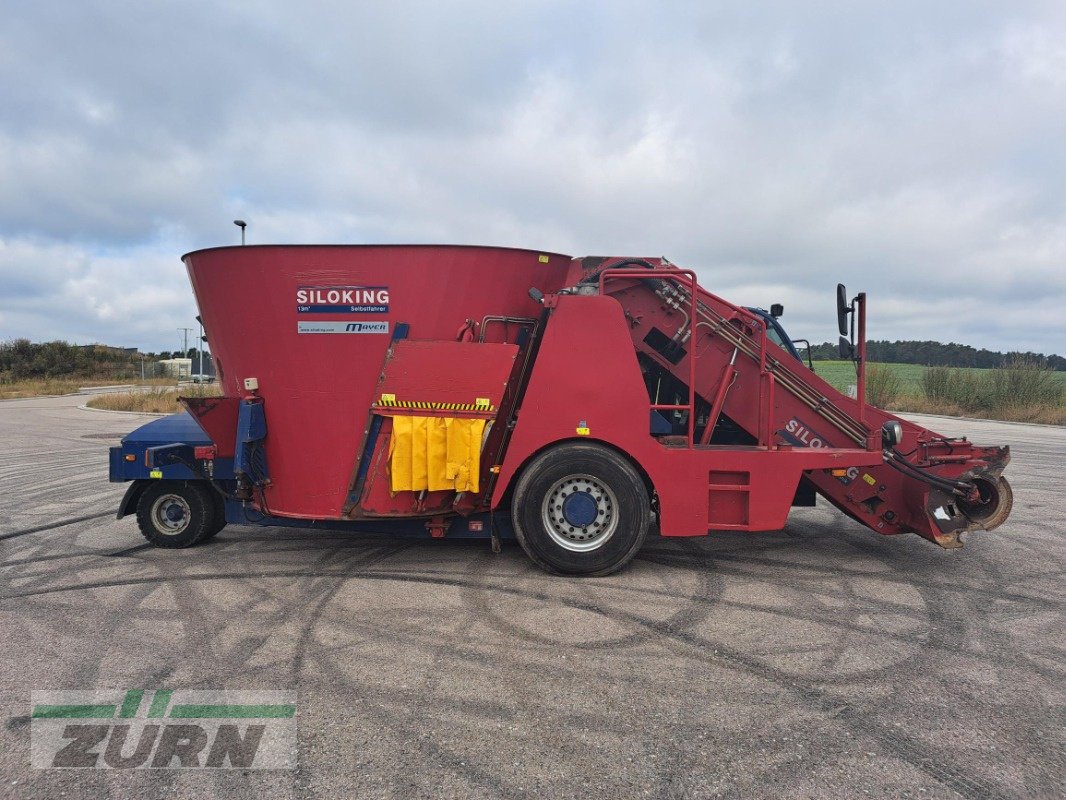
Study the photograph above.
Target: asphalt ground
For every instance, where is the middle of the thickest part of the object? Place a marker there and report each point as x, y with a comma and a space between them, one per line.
819, 661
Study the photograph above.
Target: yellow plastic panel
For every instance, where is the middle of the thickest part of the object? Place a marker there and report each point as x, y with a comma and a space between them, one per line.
435, 453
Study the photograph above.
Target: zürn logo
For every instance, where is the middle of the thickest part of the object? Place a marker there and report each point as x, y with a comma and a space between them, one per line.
163, 729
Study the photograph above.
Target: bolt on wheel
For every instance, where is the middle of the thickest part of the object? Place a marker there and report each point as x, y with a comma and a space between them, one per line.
580, 513
171, 514
176, 513
580, 508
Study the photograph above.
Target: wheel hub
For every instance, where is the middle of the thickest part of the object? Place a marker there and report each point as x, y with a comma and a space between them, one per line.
580, 513
579, 509
172, 514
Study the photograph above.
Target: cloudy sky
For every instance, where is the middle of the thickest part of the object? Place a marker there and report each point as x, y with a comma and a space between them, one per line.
916, 150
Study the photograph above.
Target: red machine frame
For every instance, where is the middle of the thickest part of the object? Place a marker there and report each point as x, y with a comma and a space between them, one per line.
579, 349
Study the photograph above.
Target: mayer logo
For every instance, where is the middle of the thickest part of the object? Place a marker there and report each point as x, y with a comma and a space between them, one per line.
342, 300
334, 326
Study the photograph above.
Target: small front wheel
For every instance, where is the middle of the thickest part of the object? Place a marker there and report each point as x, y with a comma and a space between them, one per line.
219, 521
175, 513
994, 504
581, 509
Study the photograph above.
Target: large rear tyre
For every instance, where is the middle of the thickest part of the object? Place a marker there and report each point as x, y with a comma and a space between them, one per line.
581, 509
175, 514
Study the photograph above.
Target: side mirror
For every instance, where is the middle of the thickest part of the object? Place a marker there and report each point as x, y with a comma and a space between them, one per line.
843, 309
847, 349
776, 310
891, 433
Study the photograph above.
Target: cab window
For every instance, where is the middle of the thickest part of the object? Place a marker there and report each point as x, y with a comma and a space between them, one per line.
775, 337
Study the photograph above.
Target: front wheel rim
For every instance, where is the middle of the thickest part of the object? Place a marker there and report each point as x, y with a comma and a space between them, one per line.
171, 514
580, 513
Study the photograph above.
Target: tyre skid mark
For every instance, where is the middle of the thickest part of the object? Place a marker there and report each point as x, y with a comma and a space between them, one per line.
680, 618
56, 524
668, 630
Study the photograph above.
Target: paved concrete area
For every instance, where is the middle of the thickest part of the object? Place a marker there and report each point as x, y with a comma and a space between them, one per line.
821, 661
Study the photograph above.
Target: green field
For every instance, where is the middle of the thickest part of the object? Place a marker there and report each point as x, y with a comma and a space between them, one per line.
841, 374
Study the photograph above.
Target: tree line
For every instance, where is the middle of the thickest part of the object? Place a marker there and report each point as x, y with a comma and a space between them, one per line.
21, 359
937, 354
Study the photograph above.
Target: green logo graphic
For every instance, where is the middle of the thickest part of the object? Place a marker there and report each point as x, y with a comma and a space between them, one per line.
163, 729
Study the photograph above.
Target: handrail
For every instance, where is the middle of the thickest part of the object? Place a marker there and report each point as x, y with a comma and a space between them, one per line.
692, 285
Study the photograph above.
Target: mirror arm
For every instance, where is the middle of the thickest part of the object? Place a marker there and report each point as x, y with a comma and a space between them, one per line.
810, 362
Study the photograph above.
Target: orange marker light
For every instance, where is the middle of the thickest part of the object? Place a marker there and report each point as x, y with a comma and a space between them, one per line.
131, 457
838, 473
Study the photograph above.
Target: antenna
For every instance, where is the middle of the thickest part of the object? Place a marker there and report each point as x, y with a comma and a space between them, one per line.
186, 331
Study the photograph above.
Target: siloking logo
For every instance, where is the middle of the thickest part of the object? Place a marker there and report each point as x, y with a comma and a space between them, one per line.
799, 434
342, 300
163, 729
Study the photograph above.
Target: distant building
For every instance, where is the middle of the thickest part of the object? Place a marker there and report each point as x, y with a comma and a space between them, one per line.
179, 368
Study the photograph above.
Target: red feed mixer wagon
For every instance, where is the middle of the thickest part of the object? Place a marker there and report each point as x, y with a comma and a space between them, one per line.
576, 404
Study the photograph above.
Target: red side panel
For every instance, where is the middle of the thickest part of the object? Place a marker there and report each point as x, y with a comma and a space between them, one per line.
445, 375
587, 377
442, 379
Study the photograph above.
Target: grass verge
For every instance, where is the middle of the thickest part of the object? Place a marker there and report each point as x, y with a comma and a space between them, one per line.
1041, 414
1021, 391
36, 387
153, 401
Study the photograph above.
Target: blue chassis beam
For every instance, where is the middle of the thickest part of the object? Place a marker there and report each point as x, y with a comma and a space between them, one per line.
457, 527
179, 433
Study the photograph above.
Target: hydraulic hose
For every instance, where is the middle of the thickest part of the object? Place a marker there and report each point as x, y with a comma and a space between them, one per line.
199, 470
629, 262
817, 403
895, 460
719, 325
655, 284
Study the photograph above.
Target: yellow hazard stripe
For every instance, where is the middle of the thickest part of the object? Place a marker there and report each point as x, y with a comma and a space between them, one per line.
482, 404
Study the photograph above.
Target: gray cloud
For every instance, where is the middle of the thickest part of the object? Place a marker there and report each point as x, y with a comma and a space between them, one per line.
910, 149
